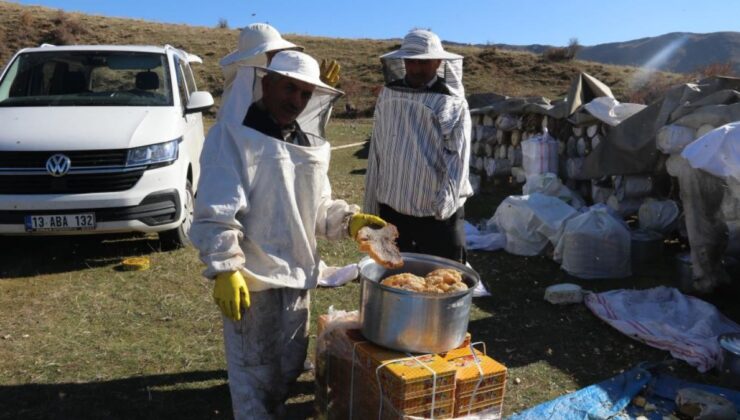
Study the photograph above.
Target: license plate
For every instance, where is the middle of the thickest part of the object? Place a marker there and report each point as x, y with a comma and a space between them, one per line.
81, 221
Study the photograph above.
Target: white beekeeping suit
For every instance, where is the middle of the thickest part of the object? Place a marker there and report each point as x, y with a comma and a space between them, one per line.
255, 42
435, 130
262, 202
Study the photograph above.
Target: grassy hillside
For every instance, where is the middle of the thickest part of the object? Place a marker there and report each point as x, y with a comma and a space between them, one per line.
486, 69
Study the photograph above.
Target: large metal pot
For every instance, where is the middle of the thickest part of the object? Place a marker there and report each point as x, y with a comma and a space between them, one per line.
409, 321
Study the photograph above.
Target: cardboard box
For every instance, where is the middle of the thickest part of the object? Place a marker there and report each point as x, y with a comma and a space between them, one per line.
468, 375
402, 376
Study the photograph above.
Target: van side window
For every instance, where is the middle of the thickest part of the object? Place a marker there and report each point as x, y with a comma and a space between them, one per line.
189, 78
181, 84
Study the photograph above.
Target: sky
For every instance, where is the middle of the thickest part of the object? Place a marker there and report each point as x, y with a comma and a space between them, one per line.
518, 22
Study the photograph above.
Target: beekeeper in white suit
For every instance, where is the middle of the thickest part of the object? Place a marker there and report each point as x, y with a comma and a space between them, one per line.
417, 171
263, 198
258, 43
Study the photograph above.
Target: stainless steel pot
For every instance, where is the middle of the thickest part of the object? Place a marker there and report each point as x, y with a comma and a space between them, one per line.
729, 365
414, 322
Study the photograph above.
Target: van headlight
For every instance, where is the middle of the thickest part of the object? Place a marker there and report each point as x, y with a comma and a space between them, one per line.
156, 154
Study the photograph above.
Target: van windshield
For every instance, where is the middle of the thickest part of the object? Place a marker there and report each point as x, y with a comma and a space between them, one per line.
87, 78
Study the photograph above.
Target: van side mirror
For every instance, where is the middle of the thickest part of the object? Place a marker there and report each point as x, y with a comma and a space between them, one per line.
199, 101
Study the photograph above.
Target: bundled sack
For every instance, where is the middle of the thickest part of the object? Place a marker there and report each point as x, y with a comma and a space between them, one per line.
550, 184
497, 167
717, 152
531, 221
673, 138
632, 186
658, 215
540, 155
595, 245
507, 122
625, 207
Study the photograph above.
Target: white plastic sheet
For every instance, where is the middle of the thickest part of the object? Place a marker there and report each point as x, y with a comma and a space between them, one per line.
595, 245
483, 240
531, 221
611, 111
717, 152
540, 155
550, 184
666, 319
658, 215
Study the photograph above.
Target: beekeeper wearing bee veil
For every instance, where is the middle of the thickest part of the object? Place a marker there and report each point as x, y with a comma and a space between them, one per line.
263, 198
417, 175
258, 43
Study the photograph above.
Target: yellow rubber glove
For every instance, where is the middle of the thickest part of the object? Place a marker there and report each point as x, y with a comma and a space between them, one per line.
231, 294
330, 72
360, 220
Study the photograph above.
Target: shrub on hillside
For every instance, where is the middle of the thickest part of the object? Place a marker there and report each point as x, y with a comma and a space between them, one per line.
563, 53
26, 18
716, 69
222, 24
66, 30
651, 90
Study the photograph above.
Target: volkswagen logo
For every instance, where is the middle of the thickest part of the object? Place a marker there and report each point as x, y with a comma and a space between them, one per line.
58, 165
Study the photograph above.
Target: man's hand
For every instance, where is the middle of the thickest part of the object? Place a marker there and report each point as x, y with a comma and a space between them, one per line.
360, 220
330, 72
231, 294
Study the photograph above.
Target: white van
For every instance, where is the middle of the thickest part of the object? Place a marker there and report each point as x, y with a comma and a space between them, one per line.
100, 139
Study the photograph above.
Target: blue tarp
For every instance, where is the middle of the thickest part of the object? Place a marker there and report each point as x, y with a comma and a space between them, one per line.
611, 399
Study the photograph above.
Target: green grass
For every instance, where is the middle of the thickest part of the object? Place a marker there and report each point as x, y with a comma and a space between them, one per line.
79, 339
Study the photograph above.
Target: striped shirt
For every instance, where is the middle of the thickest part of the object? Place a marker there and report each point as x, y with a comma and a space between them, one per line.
419, 154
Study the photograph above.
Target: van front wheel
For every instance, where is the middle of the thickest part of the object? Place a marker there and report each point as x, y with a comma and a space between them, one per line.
178, 237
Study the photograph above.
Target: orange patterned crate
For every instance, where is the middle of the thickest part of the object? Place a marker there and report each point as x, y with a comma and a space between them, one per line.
468, 375
491, 397
405, 378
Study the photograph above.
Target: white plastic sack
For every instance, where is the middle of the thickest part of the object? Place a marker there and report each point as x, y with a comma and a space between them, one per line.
626, 207
717, 152
515, 156
519, 175
595, 245
497, 167
550, 184
571, 147
611, 111
632, 186
474, 182
658, 215
574, 168
540, 155
596, 141
600, 194
486, 133
673, 138
507, 122
485, 241
530, 221
674, 165
583, 146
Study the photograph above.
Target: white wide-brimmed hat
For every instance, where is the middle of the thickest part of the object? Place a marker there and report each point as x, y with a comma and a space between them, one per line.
299, 66
258, 38
420, 44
